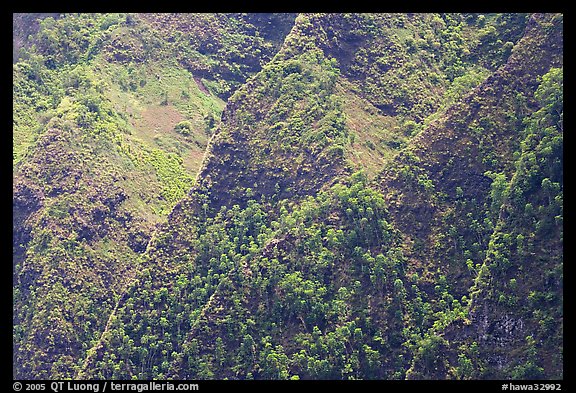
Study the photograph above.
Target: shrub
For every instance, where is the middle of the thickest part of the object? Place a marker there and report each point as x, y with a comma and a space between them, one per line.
184, 127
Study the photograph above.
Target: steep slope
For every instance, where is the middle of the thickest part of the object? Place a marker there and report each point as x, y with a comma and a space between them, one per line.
517, 298
319, 293
244, 172
283, 132
104, 147
444, 192
441, 258
262, 272
320, 107
77, 246
445, 168
24, 26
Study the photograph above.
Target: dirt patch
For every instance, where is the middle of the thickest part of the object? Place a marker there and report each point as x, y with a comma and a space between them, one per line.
193, 160
158, 119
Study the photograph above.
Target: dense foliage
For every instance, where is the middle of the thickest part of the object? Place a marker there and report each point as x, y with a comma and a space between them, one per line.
280, 196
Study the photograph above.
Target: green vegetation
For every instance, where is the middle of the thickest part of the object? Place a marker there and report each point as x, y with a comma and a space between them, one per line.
271, 275
280, 196
95, 145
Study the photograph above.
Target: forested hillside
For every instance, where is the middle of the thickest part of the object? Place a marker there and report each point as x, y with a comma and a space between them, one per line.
288, 196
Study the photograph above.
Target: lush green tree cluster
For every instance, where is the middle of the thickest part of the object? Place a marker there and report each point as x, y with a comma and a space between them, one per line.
297, 295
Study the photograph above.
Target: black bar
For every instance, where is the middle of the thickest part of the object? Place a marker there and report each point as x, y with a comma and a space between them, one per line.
298, 386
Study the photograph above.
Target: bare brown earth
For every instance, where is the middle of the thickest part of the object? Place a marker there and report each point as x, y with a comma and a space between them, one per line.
158, 119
